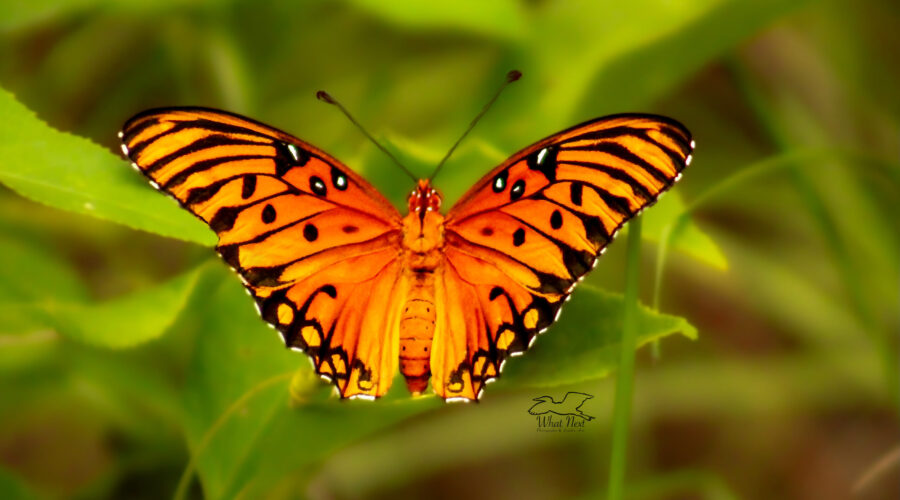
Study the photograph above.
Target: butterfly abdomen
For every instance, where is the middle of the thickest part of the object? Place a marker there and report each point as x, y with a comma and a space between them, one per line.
417, 331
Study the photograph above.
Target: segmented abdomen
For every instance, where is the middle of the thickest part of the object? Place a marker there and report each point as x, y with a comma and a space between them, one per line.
416, 333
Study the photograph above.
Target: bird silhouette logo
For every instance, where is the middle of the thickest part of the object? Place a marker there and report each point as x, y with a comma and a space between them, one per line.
570, 405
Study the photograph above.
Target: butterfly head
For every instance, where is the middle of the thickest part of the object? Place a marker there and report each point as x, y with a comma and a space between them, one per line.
424, 198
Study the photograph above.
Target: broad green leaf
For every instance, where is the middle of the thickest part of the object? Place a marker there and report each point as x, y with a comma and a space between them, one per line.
245, 433
235, 353
117, 323
584, 344
294, 440
31, 271
240, 420
72, 173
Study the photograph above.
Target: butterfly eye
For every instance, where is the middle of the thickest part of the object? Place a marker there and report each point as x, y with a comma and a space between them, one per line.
517, 190
500, 181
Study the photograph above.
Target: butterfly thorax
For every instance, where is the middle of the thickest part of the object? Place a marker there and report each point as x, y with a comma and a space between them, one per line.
423, 241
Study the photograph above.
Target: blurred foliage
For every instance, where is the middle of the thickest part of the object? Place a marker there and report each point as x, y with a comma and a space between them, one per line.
132, 364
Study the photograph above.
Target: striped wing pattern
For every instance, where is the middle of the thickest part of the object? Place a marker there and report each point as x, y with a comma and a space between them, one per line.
310, 239
524, 235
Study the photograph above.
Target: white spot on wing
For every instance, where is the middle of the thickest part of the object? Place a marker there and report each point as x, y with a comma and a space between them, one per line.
124, 149
457, 400
294, 152
540, 157
366, 397
687, 161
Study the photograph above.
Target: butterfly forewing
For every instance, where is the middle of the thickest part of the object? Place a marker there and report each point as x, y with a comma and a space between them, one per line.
315, 244
533, 227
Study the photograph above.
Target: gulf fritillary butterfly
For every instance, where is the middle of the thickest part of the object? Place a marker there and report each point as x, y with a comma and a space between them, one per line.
347, 279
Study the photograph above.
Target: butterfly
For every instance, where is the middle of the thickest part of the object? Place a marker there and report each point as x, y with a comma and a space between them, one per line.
361, 288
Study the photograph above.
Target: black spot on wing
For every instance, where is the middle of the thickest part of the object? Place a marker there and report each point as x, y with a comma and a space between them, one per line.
556, 220
338, 179
248, 186
519, 237
518, 189
224, 219
576, 192
268, 214
317, 186
310, 232
499, 183
544, 161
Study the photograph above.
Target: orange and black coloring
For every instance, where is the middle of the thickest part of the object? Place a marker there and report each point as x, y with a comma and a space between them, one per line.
363, 290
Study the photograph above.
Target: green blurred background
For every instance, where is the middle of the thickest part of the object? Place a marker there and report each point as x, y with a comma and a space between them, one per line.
132, 364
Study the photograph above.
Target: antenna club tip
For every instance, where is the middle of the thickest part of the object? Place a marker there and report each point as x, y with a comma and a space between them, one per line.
324, 96
513, 75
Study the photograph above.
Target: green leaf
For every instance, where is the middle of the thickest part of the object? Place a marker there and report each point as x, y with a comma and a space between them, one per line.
72, 173
234, 353
32, 271
664, 215
118, 323
242, 427
584, 344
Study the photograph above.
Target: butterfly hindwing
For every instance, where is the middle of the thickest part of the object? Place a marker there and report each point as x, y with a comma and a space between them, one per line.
306, 234
533, 227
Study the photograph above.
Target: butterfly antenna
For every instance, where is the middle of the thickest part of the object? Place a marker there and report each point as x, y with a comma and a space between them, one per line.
510, 77
325, 96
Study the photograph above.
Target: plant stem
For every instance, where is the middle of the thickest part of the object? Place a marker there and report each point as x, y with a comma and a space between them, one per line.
184, 481
625, 377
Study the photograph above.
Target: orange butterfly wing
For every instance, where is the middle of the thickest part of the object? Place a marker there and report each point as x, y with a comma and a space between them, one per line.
314, 243
519, 240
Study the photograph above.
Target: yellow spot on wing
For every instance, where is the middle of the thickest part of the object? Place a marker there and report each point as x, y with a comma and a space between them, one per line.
479, 365
310, 336
505, 339
338, 362
531, 318
285, 314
